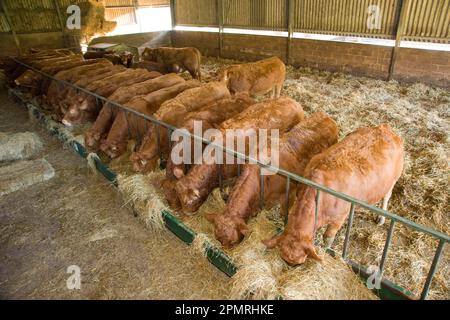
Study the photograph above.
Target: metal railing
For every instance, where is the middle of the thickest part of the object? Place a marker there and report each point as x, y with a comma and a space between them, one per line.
394, 218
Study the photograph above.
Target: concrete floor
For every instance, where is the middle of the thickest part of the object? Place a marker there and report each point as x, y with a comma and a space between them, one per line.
79, 219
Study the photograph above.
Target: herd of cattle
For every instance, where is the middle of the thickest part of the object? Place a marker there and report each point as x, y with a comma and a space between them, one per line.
365, 165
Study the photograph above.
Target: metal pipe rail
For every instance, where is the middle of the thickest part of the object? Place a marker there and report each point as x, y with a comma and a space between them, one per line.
443, 238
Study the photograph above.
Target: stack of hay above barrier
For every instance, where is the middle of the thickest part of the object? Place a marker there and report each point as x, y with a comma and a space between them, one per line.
19, 146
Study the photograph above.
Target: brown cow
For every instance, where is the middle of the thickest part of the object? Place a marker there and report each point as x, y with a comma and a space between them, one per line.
152, 66
89, 107
123, 58
365, 165
69, 95
72, 75
281, 114
255, 78
173, 113
297, 147
179, 59
210, 116
130, 125
122, 96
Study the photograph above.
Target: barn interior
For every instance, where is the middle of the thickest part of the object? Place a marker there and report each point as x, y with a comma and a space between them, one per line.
79, 223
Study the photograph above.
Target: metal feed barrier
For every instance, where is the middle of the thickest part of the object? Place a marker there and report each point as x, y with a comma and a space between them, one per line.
223, 262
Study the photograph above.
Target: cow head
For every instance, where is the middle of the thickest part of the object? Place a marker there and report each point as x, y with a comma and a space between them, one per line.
149, 54
28, 79
229, 230
190, 197
113, 149
127, 58
141, 163
294, 250
223, 76
77, 113
92, 139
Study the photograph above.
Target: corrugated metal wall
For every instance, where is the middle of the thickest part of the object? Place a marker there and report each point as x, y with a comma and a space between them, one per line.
346, 17
425, 20
255, 14
196, 12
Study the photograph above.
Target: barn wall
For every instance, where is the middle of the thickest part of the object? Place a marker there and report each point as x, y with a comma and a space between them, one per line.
251, 47
35, 40
426, 66
206, 42
359, 59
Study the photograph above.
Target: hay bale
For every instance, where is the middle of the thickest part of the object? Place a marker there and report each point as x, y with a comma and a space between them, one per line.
19, 146
23, 174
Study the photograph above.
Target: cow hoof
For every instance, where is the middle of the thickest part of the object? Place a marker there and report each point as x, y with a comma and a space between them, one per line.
380, 220
328, 241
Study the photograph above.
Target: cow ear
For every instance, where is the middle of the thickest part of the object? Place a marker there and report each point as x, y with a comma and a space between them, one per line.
312, 254
271, 243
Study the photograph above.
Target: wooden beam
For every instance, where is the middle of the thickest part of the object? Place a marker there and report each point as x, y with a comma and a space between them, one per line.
403, 10
220, 24
11, 27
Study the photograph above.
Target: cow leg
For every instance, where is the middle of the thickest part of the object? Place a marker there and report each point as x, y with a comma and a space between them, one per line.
330, 234
273, 93
387, 197
278, 90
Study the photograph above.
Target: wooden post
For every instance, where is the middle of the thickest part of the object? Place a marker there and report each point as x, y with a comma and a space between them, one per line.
401, 18
290, 27
220, 24
11, 27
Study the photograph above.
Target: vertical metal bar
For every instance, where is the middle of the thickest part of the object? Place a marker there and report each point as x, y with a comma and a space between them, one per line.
128, 123
347, 232
137, 131
238, 168
386, 247
434, 264
286, 200
220, 17
261, 189
290, 23
158, 142
219, 168
173, 5
316, 210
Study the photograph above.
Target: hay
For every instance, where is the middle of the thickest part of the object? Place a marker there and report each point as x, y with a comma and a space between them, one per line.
330, 279
146, 199
19, 146
91, 158
23, 174
199, 245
